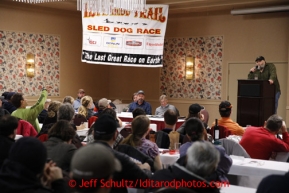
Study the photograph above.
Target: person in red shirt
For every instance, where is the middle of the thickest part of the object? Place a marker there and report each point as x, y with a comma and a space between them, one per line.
261, 142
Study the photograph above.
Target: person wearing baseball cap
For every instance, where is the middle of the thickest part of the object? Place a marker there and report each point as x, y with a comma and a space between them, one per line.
141, 103
266, 71
105, 133
96, 162
225, 109
194, 111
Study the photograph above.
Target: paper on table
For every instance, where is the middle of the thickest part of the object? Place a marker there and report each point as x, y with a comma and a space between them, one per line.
237, 159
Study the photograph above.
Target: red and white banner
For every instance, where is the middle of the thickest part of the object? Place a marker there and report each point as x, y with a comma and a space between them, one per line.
124, 38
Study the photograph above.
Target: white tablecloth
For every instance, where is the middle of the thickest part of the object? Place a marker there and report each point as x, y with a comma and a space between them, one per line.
160, 119
237, 189
82, 132
256, 167
168, 159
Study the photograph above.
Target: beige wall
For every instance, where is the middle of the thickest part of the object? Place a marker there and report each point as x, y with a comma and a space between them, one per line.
73, 73
245, 37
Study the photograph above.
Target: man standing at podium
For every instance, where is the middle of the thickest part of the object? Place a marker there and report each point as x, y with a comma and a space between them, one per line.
266, 71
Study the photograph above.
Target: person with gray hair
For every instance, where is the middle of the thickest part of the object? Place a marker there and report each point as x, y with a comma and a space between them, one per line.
165, 106
65, 112
202, 158
202, 161
261, 142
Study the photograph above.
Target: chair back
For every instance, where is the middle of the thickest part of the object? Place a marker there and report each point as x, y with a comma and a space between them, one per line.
78, 119
162, 139
186, 139
125, 132
206, 115
224, 132
91, 120
233, 148
43, 137
26, 129
135, 153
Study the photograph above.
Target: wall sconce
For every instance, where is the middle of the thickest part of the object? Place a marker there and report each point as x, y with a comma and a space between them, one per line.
30, 65
190, 65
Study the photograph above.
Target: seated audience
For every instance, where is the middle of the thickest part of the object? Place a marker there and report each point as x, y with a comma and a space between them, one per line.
102, 104
8, 105
76, 102
51, 117
136, 112
140, 129
119, 138
26, 169
202, 160
86, 107
43, 113
95, 162
8, 128
167, 137
68, 99
4, 95
274, 183
134, 100
111, 112
165, 106
29, 114
2, 110
194, 111
261, 142
141, 103
225, 109
105, 132
65, 112
59, 147
195, 132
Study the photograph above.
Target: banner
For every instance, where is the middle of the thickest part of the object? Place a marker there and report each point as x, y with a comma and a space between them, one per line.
124, 38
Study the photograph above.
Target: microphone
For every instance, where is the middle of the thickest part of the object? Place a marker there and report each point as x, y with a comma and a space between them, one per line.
257, 67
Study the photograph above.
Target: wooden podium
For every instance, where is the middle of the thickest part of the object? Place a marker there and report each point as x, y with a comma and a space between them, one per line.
256, 102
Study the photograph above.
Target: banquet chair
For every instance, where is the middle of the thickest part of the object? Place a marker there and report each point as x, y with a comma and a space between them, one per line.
233, 148
186, 139
79, 119
25, 129
43, 137
91, 120
162, 139
135, 154
223, 133
206, 115
125, 132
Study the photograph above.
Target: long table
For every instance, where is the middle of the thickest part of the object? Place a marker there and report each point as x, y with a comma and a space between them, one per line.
237, 189
257, 167
127, 117
249, 172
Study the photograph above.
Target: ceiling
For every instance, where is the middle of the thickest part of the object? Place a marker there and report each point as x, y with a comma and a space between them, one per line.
181, 6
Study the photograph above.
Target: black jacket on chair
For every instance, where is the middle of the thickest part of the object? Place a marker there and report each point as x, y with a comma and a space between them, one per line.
136, 154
